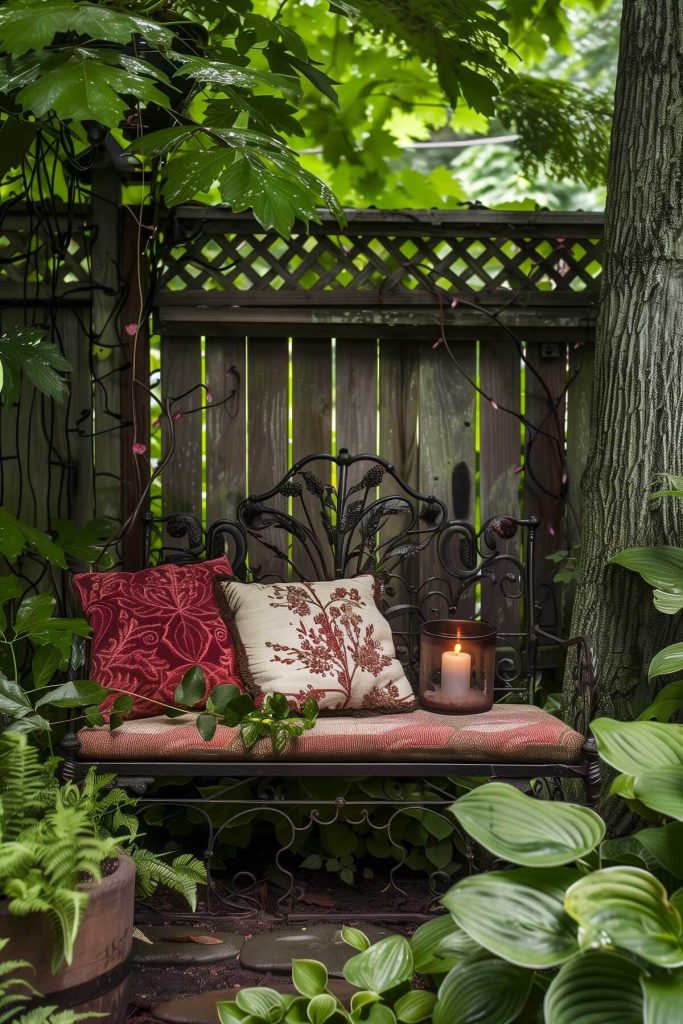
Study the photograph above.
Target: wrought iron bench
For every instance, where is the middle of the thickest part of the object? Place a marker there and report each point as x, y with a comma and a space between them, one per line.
332, 517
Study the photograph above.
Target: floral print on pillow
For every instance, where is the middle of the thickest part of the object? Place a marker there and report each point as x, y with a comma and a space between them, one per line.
150, 627
325, 640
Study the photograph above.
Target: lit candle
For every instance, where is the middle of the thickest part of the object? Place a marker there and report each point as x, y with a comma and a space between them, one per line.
456, 668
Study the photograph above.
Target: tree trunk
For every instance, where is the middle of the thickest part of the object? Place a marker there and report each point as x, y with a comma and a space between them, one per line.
637, 414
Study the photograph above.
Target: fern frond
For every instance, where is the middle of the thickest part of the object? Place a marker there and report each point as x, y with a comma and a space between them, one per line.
182, 875
66, 913
23, 783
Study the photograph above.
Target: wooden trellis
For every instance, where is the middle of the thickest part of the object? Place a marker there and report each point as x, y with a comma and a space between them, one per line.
327, 340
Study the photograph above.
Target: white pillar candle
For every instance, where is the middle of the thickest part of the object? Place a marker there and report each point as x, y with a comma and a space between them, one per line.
456, 668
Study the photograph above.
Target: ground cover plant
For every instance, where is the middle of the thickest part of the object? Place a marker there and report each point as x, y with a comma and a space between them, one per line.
575, 927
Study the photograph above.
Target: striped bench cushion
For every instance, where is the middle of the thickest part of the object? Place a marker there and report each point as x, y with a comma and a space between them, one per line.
507, 733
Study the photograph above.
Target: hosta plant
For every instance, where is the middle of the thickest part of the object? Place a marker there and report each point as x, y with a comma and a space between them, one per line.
573, 928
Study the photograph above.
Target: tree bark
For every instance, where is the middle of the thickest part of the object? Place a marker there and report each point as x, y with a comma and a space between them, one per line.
637, 415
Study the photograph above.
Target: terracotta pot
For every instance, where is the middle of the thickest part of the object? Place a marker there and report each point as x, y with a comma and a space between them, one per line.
97, 979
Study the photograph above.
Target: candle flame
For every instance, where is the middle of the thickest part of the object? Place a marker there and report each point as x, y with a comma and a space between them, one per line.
457, 648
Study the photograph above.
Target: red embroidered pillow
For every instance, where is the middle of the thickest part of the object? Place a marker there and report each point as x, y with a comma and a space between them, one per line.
323, 640
150, 627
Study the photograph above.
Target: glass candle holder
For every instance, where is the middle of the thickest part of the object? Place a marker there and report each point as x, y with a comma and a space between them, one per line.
457, 665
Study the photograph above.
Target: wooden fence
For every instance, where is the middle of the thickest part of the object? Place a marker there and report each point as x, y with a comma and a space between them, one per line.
265, 349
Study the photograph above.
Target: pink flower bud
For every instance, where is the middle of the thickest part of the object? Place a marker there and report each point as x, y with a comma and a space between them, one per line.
441, 341
156, 424
494, 404
138, 449
177, 415
454, 303
131, 329
551, 531
209, 398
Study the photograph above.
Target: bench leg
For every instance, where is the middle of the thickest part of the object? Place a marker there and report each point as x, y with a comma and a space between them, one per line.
593, 773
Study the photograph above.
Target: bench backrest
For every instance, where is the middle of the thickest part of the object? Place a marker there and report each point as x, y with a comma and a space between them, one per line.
337, 516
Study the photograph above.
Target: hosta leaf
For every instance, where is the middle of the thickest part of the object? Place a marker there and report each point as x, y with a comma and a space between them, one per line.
526, 831
414, 1007
32, 26
636, 747
479, 991
427, 945
662, 998
668, 700
321, 1008
628, 908
662, 790
261, 1002
309, 977
668, 660
596, 988
381, 967
652, 848
518, 915
661, 567
353, 936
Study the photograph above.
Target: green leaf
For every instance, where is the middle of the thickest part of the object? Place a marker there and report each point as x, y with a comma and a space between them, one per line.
356, 938
33, 613
668, 700
665, 846
191, 688
415, 1006
218, 73
480, 991
662, 790
206, 726
309, 977
16, 536
220, 697
24, 350
628, 908
123, 705
94, 716
10, 588
310, 708
260, 1002
82, 89
518, 915
668, 660
636, 747
661, 567
381, 967
13, 700
321, 1008
45, 663
527, 831
250, 733
85, 543
74, 694
427, 943
662, 998
596, 988
230, 1013
26, 27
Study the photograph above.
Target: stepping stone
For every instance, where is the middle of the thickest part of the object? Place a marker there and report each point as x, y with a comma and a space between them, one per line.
201, 1009
175, 945
275, 950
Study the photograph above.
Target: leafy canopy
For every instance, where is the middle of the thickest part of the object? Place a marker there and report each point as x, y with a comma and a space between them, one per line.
216, 97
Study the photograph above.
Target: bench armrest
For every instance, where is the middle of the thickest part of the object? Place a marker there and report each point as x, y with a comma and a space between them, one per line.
580, 651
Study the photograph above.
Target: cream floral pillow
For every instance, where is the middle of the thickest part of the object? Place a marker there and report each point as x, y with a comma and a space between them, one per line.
323, 640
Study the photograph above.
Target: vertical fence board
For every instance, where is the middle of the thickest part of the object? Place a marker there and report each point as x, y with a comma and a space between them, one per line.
181, 370
268, 363
544, 467
226, 425
311, 433
499, 459
447, 440
357, 395
10, 491
398, 403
